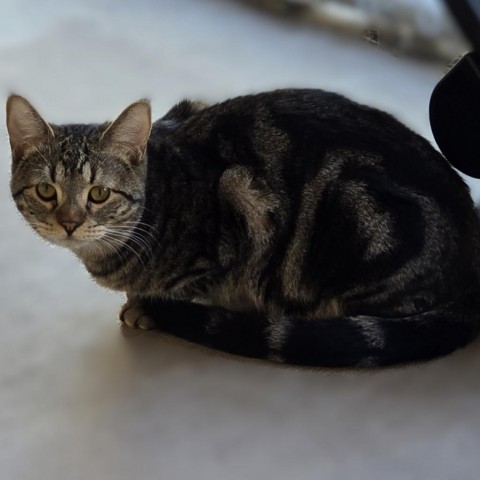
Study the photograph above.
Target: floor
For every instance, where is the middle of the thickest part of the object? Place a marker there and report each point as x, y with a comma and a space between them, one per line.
81, 399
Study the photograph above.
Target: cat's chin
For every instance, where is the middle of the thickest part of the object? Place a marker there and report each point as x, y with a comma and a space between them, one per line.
78, 246
91, 249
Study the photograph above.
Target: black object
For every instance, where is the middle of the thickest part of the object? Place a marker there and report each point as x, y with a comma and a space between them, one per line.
455, 101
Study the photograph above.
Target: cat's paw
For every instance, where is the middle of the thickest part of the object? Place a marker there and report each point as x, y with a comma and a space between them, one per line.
133, 316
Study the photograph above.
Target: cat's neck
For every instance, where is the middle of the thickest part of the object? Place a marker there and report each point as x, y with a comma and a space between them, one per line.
172, 233
115, 267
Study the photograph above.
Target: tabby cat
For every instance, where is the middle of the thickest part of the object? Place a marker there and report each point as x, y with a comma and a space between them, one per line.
294, 225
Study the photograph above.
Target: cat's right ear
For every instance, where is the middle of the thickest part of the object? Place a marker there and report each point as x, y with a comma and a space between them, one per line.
26, 128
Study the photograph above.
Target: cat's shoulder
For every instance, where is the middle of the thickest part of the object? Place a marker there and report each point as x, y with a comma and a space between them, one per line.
176, 116
184, 110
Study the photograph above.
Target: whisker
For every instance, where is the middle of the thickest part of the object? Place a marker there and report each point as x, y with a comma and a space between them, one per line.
119, 241
125, 238
111, 246
135, 231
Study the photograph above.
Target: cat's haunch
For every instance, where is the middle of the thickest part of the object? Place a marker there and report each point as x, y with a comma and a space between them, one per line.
294, 225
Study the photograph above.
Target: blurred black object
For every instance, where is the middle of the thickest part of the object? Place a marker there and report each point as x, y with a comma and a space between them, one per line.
455, 101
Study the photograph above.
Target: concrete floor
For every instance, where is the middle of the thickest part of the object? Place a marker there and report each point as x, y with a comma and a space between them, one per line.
80, 399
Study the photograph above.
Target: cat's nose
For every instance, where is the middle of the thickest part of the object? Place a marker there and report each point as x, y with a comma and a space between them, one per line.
70, 217
70, 227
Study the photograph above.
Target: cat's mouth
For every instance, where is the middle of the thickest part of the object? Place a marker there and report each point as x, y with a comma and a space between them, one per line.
89, 244
72, 241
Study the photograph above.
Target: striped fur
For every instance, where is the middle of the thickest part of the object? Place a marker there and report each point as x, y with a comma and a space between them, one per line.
295, 226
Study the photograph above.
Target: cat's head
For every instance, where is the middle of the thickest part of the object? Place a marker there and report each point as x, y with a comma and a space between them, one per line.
79, 186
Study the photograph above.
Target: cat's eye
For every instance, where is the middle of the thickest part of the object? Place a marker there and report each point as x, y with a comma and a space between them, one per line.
99, 194
46, 191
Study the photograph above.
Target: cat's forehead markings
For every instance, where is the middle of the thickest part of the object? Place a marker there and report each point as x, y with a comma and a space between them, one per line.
87, 172
74, 146
58, 172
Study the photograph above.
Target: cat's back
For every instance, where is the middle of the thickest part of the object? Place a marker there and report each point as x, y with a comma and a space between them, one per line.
295, 130
291, 136
304, 124
331, 116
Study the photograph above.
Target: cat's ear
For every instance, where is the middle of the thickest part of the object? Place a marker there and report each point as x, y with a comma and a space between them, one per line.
26, 128
129, 133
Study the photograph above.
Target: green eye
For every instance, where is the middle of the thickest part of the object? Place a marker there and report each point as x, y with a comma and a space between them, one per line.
99, 194
46, 191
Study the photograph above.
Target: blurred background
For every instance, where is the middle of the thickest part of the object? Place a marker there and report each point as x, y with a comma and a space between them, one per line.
79, 398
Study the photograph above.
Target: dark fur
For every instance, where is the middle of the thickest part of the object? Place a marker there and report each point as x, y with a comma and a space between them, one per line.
296, 226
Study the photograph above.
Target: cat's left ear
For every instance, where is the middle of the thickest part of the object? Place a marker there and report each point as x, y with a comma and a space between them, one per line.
129, 133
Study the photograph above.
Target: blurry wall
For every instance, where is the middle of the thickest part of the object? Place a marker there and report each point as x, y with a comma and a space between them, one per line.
422, 28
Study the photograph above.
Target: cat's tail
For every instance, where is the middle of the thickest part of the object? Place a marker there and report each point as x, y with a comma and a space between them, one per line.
358, 341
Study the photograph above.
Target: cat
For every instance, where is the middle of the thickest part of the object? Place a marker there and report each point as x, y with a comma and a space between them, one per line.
295, 226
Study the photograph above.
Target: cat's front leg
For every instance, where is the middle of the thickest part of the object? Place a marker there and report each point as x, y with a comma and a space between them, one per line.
133, 314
